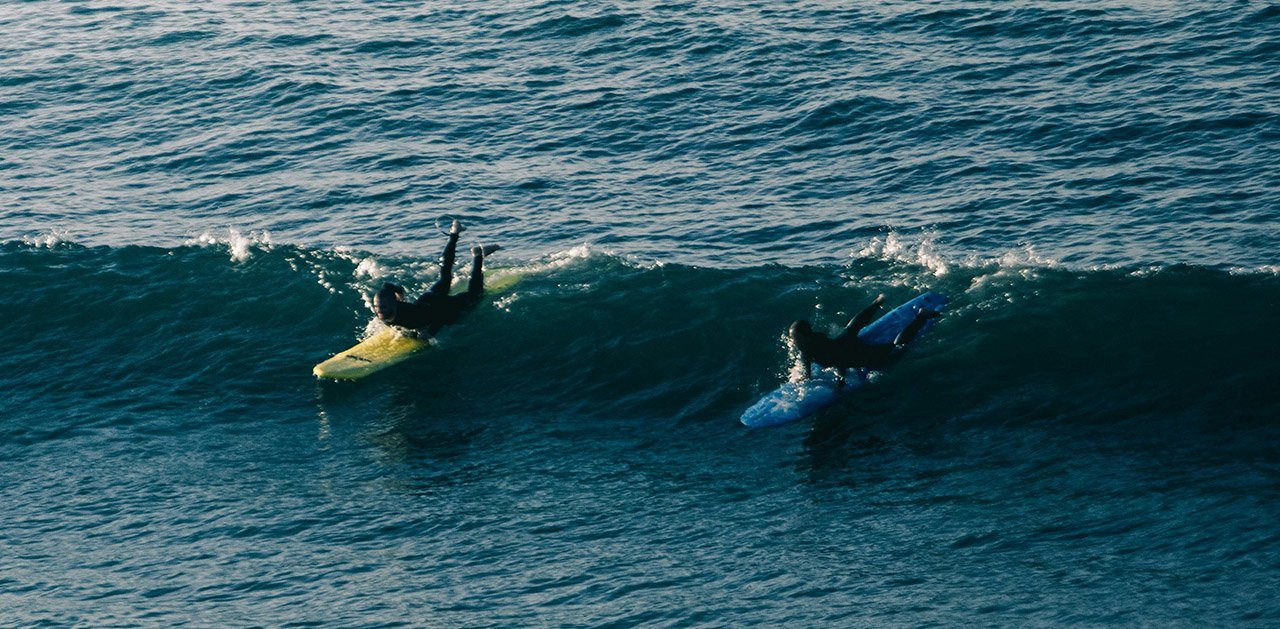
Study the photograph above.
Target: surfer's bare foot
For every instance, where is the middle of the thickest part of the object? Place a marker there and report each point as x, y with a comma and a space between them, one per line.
928, 313
456, 228
879, 299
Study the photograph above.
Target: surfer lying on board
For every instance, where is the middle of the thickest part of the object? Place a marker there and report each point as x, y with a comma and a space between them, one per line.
847, 350
436, 308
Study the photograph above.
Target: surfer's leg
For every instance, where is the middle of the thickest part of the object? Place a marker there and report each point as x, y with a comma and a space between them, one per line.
475, 287
441, 287
909, 333
450, 308
864, 317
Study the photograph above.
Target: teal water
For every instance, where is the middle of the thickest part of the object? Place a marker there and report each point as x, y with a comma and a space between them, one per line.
196, 202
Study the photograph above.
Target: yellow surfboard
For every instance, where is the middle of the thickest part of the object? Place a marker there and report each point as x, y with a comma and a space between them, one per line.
390, 345
385, 348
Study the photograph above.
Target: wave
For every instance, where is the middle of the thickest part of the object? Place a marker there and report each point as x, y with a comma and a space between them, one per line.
594, 334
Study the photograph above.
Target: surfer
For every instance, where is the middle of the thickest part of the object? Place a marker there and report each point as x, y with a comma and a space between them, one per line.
436, 308
847, 350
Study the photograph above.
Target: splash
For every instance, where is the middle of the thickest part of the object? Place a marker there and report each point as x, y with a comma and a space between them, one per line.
1024, 263
562, 258
374, 325
1025, 257
893, 248
49, 240
557, 260
240, 245
795, 373
370, 268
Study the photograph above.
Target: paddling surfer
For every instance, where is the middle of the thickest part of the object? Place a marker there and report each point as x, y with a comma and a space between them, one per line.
436, 308
847, 351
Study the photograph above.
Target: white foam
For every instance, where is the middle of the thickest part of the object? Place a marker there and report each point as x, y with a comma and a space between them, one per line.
562, 258
557, 260
1146, 271
893, 248
1025, 257
1266, 269
240, 245
374, 326
370, 268
50, 239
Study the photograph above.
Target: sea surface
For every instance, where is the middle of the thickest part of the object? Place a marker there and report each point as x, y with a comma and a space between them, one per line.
197, 200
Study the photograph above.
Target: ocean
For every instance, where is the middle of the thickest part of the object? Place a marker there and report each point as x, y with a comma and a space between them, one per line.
197, 201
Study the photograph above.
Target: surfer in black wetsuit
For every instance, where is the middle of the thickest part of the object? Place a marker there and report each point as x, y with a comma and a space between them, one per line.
436, 308
847, 350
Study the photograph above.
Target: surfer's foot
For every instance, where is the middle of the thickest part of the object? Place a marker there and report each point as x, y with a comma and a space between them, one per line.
457, 227
928, 313
879, 299
491, 249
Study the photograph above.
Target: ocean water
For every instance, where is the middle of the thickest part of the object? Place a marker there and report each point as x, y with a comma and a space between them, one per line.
197, 200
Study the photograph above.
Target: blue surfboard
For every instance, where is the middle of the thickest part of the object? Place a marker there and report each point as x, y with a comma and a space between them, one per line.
797, 400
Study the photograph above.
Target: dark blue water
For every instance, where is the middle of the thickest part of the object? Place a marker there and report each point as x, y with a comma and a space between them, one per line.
196, 201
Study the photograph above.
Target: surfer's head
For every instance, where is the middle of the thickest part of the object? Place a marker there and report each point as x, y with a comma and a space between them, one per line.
801, 333
384, 303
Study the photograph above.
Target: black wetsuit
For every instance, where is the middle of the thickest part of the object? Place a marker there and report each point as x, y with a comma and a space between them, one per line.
436, 308
847, 351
